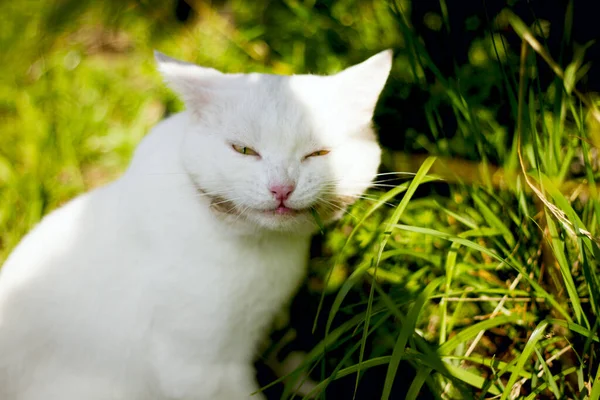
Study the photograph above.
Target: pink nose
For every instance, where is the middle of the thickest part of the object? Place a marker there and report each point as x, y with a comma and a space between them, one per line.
281, 192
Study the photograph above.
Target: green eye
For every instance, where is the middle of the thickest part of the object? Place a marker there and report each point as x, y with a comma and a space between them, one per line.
318, 153
244, 150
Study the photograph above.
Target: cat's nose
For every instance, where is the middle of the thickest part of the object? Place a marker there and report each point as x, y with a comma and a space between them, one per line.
281, 192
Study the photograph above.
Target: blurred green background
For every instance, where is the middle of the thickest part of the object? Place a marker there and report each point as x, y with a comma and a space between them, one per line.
488, 283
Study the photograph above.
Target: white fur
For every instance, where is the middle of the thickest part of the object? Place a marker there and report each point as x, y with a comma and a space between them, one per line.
142, 290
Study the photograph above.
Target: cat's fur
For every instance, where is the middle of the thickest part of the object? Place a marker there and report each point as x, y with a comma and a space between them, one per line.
160, 285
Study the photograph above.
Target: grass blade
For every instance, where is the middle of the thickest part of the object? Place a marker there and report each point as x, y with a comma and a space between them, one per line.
530, 347
406, 331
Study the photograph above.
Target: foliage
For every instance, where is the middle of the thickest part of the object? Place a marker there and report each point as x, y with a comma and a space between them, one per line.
468, 280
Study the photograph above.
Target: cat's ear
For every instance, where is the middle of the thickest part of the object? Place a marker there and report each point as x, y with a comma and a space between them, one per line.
195, 84
359, 86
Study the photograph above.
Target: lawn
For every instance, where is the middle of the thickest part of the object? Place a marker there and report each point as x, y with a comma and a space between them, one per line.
471, 268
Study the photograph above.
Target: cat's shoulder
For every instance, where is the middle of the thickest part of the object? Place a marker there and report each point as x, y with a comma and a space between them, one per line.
56, 232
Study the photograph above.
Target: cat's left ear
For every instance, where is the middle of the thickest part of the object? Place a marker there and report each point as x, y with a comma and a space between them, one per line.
359, 86
195, 84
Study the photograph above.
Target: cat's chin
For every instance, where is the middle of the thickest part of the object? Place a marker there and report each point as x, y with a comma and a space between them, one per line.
284, 219
288, 220
285, 211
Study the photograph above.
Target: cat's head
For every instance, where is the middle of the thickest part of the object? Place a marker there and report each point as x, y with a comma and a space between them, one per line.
284, 153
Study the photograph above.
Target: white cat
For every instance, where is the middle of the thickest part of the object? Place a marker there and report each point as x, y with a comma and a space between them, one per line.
161, 284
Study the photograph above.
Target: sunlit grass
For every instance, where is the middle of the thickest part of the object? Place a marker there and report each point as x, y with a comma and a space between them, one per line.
523, 260
474, 279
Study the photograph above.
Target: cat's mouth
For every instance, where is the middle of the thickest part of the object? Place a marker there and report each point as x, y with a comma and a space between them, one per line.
326, 211
225, 206
284, 210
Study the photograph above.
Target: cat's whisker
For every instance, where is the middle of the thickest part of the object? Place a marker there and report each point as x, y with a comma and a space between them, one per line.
396, 173
363, 197
383, 185
384, 181
362, 181
374, 200
210, 195
335, 206
223, 201
375, 181
233, 208
360, 184
216, 193
241, 212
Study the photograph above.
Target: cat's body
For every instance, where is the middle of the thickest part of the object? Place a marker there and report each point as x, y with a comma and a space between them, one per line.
161, 284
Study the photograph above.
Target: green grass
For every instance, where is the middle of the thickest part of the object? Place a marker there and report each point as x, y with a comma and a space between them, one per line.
485, 286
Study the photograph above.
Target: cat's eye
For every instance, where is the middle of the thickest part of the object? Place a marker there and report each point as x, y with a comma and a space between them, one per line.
317, 154
245, 150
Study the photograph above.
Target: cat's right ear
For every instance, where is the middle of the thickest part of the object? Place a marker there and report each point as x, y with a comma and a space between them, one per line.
193, 83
